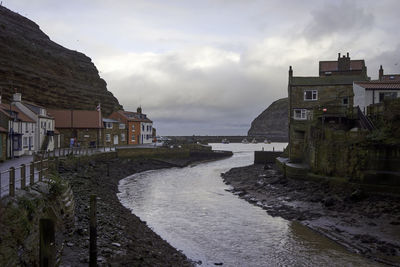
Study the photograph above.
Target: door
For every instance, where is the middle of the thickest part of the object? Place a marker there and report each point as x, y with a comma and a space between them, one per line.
115, 139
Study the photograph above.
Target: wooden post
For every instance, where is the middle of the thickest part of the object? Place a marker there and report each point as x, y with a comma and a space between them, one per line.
46, 243
41, 170
93, 233
23, 176
32, 173
11, 190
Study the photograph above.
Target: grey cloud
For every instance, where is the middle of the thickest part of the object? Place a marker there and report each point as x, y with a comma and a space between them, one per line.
345, 18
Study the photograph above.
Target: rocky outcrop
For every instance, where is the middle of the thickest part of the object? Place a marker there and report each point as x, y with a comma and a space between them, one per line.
272, 123
45, 72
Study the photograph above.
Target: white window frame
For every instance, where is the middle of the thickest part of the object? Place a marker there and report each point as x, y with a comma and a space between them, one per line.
314, 95
122, 137
109, 125
121, 126
108, 137
300, 111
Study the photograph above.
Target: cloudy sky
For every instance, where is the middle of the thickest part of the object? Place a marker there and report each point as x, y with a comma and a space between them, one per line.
211, 66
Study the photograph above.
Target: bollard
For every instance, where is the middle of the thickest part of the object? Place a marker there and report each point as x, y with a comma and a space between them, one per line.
12, 182
41, 170
23, 176
46, 243
32, 173
93, 233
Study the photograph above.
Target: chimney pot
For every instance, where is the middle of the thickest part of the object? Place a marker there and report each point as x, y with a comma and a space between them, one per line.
338, 55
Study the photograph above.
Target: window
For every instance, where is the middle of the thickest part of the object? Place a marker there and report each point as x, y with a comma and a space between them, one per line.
133, 127
133, 138
310, 95
25, 142
387, 95
300, 114
122, 126
143, 127
109, 125
108, 137
345, 100
122, 137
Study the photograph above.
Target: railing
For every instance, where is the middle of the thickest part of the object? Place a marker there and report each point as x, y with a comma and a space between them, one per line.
20, 177
365, 122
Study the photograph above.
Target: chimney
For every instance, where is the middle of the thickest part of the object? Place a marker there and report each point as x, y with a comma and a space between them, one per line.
290, 74
380, 73
139, 110
17, 97
338, 56
344, 63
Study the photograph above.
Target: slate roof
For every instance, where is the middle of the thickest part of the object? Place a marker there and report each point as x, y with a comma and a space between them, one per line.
333, 65
382, 85
110, 120
5, 108
391, 77
66, 118
327, 80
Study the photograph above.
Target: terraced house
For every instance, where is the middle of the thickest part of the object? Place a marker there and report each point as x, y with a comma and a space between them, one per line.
114, 132
139, 127
324, 99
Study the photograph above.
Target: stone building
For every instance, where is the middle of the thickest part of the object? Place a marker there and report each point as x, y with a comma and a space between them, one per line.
84, 126
114, 132
139, 128
327, 98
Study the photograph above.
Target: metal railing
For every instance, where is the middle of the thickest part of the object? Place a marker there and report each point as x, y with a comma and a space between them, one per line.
20, 177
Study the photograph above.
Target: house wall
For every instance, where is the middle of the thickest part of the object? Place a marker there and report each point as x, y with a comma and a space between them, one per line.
146, 133
3, 146
83, 136
133, 132
360, 97
115, 131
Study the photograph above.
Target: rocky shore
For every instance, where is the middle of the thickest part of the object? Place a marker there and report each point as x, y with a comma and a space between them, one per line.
368, 224
123, 239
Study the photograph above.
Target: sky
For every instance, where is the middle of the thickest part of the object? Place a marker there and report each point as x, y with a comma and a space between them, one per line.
209, 67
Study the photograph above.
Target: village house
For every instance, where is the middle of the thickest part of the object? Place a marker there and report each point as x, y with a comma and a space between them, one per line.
46, 138
373, 92
327, 98
84, 126
139, 128
20, 130
114, 132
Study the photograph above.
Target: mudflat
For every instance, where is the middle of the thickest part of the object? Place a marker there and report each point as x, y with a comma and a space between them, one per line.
364, 223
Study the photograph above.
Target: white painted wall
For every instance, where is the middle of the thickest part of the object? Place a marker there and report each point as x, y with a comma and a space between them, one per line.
359, 96
146, 133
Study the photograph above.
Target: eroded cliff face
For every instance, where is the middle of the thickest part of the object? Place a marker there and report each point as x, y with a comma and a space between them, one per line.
45, 72
272, 123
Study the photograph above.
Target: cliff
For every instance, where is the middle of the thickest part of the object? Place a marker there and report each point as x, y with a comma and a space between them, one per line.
45, 72
272, 123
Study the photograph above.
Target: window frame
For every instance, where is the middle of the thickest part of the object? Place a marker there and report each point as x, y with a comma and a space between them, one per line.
303, 114
314, 95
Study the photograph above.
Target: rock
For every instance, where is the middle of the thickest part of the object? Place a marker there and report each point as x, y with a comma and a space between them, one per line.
47, 73
329, 202
272, 122
116, 244
69, 244
218, 263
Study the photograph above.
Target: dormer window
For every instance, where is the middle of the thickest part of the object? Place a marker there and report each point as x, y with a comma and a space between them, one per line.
310, 95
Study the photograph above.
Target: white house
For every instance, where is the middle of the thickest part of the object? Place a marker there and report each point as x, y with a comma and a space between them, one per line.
146, 133
21, 131
45, 138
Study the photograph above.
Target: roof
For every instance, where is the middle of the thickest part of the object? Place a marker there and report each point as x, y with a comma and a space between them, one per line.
35, 109
20, 115
327, 80
66, 118
134, 116
333, 65
377, 84
110, 120
391, 77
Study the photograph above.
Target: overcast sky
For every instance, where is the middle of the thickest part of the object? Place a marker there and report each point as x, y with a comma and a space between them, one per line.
211, 66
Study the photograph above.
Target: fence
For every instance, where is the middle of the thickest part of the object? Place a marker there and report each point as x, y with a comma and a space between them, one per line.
20, 177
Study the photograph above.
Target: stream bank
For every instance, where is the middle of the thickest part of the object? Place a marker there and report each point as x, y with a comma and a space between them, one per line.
368, 224
123, 239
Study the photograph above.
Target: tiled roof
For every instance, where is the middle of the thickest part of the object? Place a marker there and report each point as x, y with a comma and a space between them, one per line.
376, 84
134, 116
391, 77
20, 115
110, 120
333, 65
327, 80
66, 118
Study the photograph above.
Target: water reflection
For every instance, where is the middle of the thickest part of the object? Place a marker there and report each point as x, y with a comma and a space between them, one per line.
190, 208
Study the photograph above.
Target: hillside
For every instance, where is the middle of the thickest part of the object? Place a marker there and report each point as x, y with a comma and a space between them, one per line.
45, 72
272, 123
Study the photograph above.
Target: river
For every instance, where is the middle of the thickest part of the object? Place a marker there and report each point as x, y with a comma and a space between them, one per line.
191, 209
